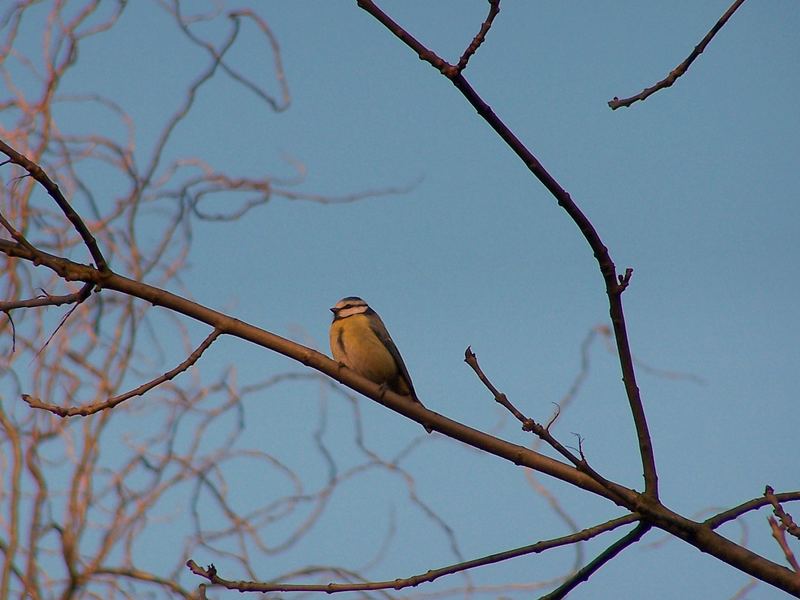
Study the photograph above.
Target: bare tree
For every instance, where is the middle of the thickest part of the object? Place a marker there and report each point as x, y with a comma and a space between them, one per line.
72, 519
78, 496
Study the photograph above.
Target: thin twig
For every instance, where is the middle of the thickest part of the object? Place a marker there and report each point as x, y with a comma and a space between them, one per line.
786, 519
614, 286
55, 193
583, 574
532, 426
616, 103
210, 573
49, 300
731, 514
494, 8
90, 409
779, 533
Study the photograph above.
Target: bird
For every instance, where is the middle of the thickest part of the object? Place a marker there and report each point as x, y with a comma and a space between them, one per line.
361, 342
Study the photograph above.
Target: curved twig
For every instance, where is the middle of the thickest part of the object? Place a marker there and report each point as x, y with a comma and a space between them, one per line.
90, 409
678, 71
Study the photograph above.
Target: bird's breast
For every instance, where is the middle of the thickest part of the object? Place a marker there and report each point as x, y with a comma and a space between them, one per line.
354, 344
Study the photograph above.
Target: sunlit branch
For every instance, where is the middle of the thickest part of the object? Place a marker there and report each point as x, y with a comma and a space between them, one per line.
90, 409
55, 193
785, 518
720, 519
48, 299
211, 574
532, 426
779, 533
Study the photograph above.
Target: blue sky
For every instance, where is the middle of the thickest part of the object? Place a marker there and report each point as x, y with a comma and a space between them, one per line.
695, 189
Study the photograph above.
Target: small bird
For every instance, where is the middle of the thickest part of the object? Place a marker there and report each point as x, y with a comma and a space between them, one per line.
360, 341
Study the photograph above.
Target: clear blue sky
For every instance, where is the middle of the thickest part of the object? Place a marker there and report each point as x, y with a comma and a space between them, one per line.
695, 189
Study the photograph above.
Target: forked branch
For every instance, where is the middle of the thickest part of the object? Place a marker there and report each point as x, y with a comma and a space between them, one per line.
614, 284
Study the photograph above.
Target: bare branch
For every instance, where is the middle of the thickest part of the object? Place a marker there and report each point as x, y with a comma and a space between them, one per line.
786, 519
720, 519
49, 300
614, 287
648, 504
779, 533
673, 76
210, 573
494, 8
55, 193
587, 571
538, 429
90, 409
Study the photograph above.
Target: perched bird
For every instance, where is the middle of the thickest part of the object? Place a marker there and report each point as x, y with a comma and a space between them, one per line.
360, 341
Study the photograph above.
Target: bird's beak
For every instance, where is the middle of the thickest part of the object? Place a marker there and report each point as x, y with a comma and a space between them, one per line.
333, 310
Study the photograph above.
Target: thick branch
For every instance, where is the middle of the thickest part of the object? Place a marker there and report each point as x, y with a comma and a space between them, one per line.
697, 534
520, 455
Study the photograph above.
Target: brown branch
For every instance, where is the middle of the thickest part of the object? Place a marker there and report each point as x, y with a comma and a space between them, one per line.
532, 426
700, 536
786, 519
16, 235
90, 409
415, 411
218, 57
253, 586
678, 71
646, 505
49, 300
55, 193
614, 287
779, 533
583, 574
720, 519
494, 8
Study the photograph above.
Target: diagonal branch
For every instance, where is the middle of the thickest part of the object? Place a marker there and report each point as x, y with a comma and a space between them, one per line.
615, 284
211, 574
678, 71
494, 8
90, 409
583, 574
779, 533
532, 426
647, 506
48, 184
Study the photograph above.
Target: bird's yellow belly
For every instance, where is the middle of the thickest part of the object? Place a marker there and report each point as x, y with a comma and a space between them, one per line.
359, 349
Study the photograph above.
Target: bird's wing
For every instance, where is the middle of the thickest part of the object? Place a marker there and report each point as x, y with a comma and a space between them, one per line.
383, 334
